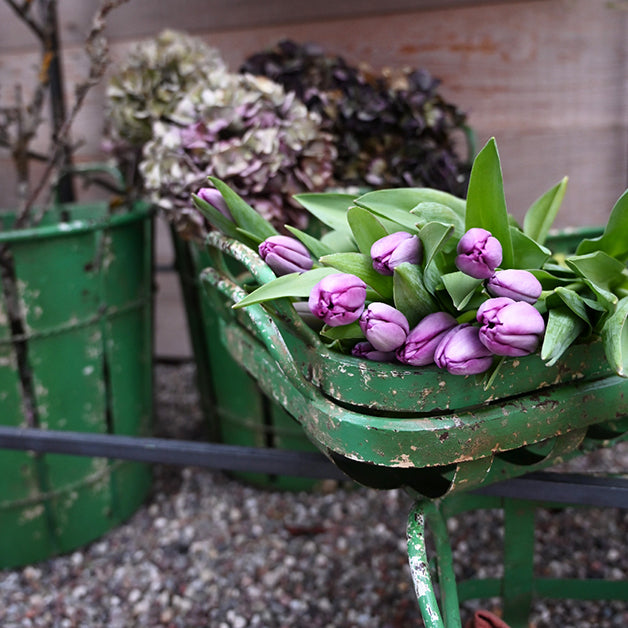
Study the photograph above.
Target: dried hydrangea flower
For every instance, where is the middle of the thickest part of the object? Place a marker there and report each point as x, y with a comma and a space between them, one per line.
263, 143
391, 128
151, 81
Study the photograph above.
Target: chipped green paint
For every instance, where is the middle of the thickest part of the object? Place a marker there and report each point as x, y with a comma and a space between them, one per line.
85, 346
419, 569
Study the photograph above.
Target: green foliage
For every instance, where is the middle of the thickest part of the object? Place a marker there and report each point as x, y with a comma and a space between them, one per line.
486, 203
539, 218
361, 266
330, 209
613, 241
411, 297
365, 227
584, 293
292, 285
615, 338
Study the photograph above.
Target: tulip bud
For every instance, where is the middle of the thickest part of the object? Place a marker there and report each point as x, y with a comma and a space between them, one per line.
215, 199
367, 351
285, 255
384, 327
461, 352
508, 327
422, 341
479, 253
338, 299
394, 249
520, 285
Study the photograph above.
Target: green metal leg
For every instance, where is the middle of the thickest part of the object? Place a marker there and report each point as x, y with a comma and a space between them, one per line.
419, 568
518, 583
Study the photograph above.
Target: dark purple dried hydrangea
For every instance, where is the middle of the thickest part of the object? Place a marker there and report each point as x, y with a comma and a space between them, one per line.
391, 129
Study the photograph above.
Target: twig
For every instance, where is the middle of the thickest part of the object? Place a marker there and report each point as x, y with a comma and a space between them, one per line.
96, 47
23, 13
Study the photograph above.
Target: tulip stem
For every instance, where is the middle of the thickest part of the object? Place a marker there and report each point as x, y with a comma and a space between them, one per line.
467, 317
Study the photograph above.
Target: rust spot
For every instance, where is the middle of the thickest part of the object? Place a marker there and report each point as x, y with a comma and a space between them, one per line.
443, 437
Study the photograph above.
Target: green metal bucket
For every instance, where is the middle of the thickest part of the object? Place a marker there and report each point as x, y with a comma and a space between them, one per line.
77, 356
236, 410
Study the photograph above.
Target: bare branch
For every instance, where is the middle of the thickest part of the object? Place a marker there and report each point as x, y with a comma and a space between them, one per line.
96, 47
23, 12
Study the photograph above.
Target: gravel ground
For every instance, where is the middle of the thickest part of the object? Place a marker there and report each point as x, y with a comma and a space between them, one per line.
208, 550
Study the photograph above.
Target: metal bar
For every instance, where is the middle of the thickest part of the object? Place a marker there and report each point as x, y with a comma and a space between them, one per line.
564, 488
445, 566
171, 451
518, 581
419, 569
561, 488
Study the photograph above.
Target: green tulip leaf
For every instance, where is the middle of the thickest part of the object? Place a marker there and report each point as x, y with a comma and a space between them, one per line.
563, 327
615, 338
292, 285
400, 217
329, 208
361, 266
342, 332
564, 296
433, 274
486, 203
613, 241
601, 273
243, 214
540, 217
410, 295
598, 267
527, 252
461, 288
248, 238
437, 212
340, 241
405, 199
434, 236
316, 247
215, 218
549, 280
365, 227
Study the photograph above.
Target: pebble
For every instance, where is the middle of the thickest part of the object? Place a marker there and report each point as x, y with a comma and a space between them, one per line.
209, 550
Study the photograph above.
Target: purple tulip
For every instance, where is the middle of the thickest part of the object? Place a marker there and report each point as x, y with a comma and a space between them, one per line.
479, 253
461, 352
384, 327
215, 199
338, 299
394, 249
422, 341
285, 255
520, 285
508, 327
367, 351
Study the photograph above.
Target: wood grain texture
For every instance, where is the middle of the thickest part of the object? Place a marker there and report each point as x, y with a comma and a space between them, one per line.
547, 78
140, 18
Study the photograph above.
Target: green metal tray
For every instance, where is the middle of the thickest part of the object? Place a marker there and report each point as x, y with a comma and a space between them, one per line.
388, 425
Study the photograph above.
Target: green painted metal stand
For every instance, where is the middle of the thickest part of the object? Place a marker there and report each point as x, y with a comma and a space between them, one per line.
236, 410
436, 435
518, 587
75, 354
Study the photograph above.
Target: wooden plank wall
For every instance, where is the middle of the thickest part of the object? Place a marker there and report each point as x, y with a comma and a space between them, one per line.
547, 78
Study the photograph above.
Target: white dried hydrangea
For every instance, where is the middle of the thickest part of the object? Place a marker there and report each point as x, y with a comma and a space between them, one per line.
154, 77
176, 102
248, 132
